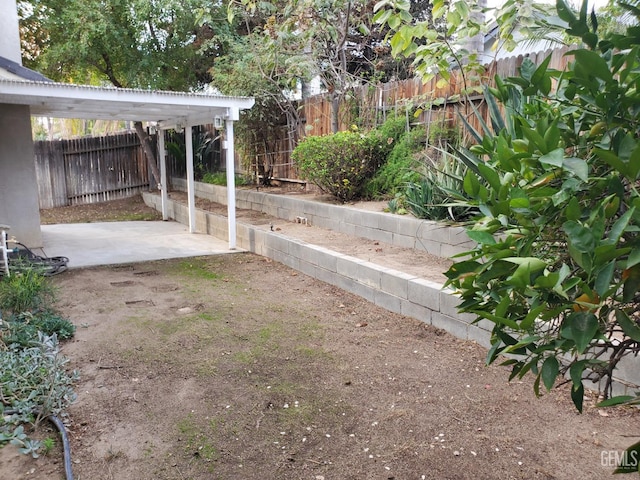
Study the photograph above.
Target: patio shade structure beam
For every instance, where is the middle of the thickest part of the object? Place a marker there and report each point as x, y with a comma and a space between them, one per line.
164, 109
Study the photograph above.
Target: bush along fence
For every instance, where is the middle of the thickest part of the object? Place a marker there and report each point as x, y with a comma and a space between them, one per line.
89, 170
433, 104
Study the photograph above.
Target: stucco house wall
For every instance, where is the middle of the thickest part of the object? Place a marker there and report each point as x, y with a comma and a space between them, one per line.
18, 187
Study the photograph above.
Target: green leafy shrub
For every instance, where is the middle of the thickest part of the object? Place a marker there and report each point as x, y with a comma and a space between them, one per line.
386, 136
338, 164
423, 201
220, 178
439, 192
557, 262
25, 291
23, 328
341, 164
399, 167
33, 380
34, 384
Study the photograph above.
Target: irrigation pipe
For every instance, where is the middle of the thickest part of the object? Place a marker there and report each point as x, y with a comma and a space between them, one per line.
66, 448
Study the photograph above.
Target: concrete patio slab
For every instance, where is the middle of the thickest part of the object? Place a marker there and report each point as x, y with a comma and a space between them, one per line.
109, 243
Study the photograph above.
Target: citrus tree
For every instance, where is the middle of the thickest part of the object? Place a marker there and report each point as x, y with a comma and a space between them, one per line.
556, 174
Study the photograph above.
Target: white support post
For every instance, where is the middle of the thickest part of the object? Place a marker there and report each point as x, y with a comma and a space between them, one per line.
231, 183
188, 142
164, 194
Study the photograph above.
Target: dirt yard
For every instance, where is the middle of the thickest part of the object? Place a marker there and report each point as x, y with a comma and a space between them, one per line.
236, 367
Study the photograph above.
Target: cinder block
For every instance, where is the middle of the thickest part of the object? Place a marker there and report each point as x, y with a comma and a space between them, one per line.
629, 369
308, 209
426, 293
449, 306
413, 310
429, 246
389, 222
280, 243
271, 210
288, 214
409, 226
403, 241
350, 215
323, 257
449, 251
325, 275
449, 324
485, 324
288, 260
480, 336
346, 228
374, 234
307, 268
458, 236
387, 301
396, 283
347, 266
359, 289
289, 203
297, 248
369, 274
370, 219
430, 230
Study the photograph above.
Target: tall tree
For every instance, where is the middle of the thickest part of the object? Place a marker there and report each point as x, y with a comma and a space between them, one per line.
155, 44
335, 41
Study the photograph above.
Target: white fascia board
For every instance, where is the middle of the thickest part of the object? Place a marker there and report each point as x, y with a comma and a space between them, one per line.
81, 101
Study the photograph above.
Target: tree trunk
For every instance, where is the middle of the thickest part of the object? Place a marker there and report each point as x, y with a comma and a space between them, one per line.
148, 151
335, 108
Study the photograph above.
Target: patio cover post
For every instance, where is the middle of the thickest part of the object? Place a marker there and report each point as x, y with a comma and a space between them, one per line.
188, 142
231, 183
163, 174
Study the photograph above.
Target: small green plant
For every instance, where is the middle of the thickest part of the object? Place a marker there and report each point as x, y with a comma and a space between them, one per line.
33, 385
396, 205
20, 439
47, 445
23, 328
220, 178
25, 291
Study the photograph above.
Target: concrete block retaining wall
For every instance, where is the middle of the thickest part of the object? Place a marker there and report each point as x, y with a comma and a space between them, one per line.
393, 290
398, 230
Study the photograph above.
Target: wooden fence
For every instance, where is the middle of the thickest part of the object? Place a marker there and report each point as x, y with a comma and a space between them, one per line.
90, 170
439, 103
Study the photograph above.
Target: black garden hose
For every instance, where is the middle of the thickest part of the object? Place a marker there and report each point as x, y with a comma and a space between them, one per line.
23, 256
66, 448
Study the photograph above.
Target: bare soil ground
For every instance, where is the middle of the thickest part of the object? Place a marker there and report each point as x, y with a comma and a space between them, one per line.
237, 367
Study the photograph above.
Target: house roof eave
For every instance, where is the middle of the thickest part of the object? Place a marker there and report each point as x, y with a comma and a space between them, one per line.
61, 100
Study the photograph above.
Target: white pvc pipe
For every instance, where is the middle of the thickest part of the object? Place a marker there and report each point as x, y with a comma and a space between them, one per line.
164, 197
188, 142
231, 184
